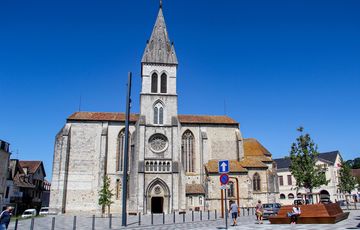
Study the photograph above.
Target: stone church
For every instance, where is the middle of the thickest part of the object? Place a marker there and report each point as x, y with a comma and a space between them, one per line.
172, 157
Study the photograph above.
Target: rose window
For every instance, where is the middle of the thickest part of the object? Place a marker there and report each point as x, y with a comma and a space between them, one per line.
158, 143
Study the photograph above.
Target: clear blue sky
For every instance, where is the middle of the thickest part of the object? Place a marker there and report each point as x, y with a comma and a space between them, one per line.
275, 65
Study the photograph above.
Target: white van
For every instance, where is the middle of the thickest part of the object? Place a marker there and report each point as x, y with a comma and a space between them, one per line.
29, 213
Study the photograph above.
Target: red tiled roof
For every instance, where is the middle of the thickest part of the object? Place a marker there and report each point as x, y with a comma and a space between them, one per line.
100, 116
355, 172
235, 167
32, 166
194, 189
185, 119
252, 147
206, 119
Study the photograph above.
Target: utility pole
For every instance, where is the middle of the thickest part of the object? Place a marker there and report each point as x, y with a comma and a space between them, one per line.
126, 152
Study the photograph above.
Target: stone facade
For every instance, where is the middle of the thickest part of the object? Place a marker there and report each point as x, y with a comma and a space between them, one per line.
168, 152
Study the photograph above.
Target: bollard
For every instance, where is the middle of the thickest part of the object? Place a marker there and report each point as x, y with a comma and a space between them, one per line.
93, 222
215, 214
200, 215
248, 211
208, 214
192, 216
53, 223
74, 223
183, 217
243, 211
139, 218
16, 224
252, 211
110, 221
355, 205
32, 224
163, 217
174, 217
152, 218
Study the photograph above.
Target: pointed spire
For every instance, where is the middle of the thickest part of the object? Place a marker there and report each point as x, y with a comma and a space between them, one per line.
159, 49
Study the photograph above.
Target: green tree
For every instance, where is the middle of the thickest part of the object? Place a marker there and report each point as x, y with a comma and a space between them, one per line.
346, 181
303, 166
105, 195
354, 164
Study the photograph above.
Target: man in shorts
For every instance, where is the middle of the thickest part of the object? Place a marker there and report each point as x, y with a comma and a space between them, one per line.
233, 211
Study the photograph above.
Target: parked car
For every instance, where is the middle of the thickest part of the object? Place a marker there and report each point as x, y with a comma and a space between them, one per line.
44, 211
28, 213
271, 209
299, 201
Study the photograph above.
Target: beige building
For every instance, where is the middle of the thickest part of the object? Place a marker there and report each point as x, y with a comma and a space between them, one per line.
4, 159
287, 183
171, 158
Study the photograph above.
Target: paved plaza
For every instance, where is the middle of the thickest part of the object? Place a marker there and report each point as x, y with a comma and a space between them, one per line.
244, 222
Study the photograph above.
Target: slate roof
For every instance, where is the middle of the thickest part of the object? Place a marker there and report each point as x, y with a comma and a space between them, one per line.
284, 163
184, 119
235, 166
329, 156
159, 49
32, 166
194, 189
252, 147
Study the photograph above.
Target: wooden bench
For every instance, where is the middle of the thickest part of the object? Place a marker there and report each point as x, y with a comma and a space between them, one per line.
312, 214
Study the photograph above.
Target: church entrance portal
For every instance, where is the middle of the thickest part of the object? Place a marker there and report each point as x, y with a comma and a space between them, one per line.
157, 204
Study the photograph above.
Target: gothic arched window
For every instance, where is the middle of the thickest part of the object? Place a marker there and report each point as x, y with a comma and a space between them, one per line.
120, 150
158, 114
154, 83
256, 182
187, 151
231, 190
163, 85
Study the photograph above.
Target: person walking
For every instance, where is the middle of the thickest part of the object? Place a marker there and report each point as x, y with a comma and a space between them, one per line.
5, 218
259, 212
234, 212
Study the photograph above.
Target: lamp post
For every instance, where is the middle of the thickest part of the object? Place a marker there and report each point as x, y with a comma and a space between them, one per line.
126, 151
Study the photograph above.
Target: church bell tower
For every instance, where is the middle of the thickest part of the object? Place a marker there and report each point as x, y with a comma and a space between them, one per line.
158, 98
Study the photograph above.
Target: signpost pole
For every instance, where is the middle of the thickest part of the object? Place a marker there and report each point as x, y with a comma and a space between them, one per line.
226, 210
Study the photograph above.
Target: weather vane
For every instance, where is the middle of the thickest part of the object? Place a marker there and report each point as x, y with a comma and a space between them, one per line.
160, 3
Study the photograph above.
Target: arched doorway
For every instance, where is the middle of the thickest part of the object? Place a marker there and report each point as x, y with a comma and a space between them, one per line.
157, 197
157, 204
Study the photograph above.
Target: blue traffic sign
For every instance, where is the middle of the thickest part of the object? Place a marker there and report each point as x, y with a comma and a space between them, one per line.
224, 178
224, 166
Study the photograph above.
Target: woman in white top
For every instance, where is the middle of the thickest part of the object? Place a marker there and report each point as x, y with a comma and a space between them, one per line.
295, 214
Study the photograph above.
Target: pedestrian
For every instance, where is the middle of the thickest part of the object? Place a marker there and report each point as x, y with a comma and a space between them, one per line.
259, 212
234, 212
5, 218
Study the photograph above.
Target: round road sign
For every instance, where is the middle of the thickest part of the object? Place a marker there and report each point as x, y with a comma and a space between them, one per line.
224, 178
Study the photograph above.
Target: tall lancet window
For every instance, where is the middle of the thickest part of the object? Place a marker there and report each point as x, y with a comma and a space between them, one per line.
187, 151
158, 114
120, 150
256, 182
163, 88
154, 83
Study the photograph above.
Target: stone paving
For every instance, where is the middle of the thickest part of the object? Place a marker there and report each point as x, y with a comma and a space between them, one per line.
244, 222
